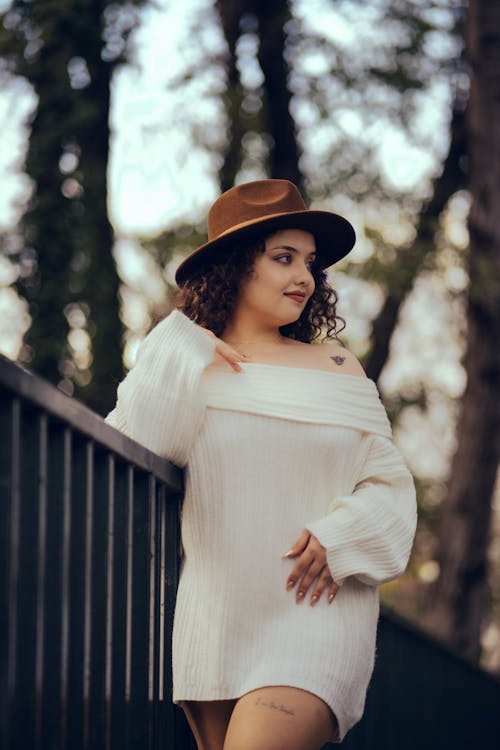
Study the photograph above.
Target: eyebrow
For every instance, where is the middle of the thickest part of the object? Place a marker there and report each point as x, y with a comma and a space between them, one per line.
292, 249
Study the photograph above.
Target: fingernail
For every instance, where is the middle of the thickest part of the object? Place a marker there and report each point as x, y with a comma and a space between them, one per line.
288, 554
331, 597
314, 599
300, 596
290, 584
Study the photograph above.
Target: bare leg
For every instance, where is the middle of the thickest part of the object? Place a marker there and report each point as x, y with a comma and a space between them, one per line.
280, 718
208, 721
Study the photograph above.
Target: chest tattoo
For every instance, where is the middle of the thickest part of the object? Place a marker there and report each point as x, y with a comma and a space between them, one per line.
338, 360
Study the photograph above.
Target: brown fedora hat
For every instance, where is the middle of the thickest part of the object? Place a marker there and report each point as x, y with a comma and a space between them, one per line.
267, 206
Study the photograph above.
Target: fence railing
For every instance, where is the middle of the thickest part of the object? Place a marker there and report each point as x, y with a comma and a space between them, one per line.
88, 575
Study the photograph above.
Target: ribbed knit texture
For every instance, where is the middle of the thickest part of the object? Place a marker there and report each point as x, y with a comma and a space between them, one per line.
269, 452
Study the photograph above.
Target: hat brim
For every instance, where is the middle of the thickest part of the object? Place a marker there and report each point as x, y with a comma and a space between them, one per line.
334, 235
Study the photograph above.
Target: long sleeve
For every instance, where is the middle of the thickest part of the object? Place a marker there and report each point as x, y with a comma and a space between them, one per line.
369, 533
159, 402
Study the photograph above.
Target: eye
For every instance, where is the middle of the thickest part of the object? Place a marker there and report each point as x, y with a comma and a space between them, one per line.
285, 259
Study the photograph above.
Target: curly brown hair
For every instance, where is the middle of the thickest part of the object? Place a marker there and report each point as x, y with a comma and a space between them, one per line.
209, 297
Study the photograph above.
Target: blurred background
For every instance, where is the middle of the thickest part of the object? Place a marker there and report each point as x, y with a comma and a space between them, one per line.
120, 124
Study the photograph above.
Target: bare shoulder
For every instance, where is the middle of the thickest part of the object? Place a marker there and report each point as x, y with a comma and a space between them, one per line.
330, 356
335, 357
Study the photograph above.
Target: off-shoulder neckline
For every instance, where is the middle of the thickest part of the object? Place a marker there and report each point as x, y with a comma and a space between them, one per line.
269, 366
299, 394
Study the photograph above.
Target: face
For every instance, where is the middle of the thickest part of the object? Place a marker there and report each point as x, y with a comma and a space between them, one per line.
281, 283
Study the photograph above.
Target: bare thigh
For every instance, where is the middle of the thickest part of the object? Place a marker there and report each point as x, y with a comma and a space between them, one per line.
280, 718
208, 721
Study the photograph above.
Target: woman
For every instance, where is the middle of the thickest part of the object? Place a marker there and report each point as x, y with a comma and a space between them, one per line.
297, 504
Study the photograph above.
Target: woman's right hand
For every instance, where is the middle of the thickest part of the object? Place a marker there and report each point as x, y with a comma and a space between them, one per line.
226, 351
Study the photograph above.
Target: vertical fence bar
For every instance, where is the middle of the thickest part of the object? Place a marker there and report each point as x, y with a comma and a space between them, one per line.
109, 595
58, 492
169, 584
66, 582
160, 741
23, 731
139, 661
6, 449
88, 589
98, 602
73, 687
10, 450
156, 614
128, 613
41, 604
153, 620
117, 704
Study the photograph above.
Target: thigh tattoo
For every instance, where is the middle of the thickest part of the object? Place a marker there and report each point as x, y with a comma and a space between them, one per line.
275, 706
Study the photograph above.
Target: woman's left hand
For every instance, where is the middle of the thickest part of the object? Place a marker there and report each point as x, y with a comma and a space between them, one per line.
311, 567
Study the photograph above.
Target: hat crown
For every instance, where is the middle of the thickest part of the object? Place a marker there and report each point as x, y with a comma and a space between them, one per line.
250, 202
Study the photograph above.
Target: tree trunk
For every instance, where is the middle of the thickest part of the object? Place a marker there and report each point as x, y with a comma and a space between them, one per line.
276, 121
48, 224
460, 595
230, 13
285, 152
100, 287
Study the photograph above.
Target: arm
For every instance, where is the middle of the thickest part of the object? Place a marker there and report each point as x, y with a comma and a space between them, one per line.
369, 533
159, 403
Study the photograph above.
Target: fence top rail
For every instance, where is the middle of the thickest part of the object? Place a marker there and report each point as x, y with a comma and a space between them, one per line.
32, 388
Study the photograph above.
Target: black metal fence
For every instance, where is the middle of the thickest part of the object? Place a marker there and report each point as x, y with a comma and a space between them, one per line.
88, 574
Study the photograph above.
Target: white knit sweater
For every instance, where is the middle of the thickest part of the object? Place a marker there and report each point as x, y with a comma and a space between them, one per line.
269, 452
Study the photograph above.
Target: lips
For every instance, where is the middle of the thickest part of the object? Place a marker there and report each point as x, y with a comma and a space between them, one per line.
296, 296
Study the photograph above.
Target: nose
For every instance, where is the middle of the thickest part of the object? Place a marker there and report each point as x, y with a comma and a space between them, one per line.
303, 274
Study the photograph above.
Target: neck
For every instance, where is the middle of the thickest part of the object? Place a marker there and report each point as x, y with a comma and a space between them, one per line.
240, 334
